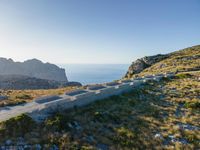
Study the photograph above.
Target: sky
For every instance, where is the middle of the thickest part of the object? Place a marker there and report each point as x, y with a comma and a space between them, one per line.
96, 31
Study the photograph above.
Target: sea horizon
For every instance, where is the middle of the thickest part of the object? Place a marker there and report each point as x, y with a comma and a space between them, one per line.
94, 73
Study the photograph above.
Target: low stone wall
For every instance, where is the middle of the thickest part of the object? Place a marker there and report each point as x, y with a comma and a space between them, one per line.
45, 106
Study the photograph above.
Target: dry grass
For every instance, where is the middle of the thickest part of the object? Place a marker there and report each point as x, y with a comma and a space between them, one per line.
184, 60
128, 121
22, 96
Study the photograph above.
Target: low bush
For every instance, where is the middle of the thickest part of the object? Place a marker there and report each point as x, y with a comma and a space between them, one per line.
57, 123
183, 76
17, 126
192, 105
23, 96
124, 137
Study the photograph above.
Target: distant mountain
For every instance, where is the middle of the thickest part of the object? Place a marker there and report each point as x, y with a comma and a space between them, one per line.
32, 74
32, 68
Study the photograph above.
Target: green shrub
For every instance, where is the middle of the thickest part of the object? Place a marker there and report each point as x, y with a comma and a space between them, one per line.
165, 79
17, 126
131, 102
192, 105
183, 76
124, 137
14, 103
57, 123
23, 96
101, 117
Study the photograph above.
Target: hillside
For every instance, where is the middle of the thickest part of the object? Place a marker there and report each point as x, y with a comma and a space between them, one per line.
15, 97
32, 68
187, 59
162, 115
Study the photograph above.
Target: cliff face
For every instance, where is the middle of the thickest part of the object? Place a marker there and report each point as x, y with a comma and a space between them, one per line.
32, 68
140, 64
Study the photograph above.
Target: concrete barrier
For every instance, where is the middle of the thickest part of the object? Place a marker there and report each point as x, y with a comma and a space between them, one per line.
85, 95
64, 104
46, 99
103, 93
112, 83
75, 92
43, 107
95, 87
126, 81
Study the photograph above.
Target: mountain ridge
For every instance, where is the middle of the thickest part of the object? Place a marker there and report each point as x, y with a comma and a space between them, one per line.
32, 68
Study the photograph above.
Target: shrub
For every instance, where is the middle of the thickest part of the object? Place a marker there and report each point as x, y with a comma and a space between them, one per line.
14, 103
192, 105
23, 96
57, 123
131, 102
17, 126
124, 137
183, 76
165, 79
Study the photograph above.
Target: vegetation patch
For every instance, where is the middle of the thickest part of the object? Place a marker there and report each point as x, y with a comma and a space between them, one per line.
17, 127
124, 137
193, 105
16, 97
183, 75
23, 96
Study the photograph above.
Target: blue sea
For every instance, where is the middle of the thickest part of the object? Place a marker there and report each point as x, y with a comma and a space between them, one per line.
94, 73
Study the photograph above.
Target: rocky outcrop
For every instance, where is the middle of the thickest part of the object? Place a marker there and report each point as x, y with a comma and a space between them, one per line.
32, 68
140, 64
183, 60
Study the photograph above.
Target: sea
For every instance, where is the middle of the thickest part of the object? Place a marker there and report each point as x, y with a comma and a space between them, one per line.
94, 73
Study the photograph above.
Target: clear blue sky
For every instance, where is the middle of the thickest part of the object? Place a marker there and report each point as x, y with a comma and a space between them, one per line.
96, 31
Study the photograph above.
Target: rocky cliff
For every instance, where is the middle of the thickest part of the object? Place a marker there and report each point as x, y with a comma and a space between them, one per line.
187, 59
32, 68
140, 64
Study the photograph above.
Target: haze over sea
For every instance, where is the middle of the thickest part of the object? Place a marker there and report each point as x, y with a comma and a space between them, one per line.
94, 73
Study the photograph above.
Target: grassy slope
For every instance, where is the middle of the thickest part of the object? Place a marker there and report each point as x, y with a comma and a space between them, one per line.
146, 118
22, 96
129, 120
182, 60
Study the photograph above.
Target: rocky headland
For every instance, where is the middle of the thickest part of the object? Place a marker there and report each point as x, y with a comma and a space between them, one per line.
32, 74
32, 68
